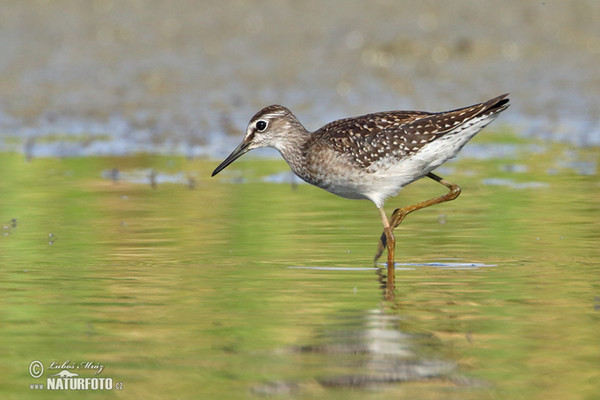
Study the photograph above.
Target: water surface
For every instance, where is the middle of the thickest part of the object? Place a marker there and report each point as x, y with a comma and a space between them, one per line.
245, 285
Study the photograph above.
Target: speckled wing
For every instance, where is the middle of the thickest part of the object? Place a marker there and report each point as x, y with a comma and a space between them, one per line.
368, 138
397, 134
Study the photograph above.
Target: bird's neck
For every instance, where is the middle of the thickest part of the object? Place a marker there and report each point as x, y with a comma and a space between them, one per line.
293, 150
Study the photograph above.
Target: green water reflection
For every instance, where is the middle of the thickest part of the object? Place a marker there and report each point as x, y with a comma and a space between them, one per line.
186, 292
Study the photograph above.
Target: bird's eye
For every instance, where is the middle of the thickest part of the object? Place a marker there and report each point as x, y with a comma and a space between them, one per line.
261, 125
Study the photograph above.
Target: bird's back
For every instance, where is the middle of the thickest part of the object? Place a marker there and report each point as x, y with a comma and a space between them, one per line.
373, 156
396, 134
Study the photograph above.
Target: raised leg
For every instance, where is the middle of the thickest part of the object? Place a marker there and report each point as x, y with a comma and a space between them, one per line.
400, 213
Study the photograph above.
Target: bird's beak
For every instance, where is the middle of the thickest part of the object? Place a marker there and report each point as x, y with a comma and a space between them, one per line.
235, 154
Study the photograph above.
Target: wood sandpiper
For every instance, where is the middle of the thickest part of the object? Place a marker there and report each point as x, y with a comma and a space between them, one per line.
372, 156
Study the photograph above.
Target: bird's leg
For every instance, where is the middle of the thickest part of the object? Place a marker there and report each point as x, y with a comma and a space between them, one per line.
391, 241
400, 213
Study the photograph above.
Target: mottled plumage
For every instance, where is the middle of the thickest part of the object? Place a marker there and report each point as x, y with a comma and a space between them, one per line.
394, 134
371, 156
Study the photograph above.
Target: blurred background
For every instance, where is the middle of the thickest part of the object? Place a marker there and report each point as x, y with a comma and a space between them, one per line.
118, 248
105, 77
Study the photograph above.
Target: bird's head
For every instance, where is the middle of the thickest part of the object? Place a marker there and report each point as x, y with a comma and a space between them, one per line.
268, 128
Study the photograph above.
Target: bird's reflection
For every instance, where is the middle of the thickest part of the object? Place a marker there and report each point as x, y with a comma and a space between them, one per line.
375, 350
370, 348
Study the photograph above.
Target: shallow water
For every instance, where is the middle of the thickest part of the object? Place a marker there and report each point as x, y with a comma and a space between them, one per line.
253, 284
250, 285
